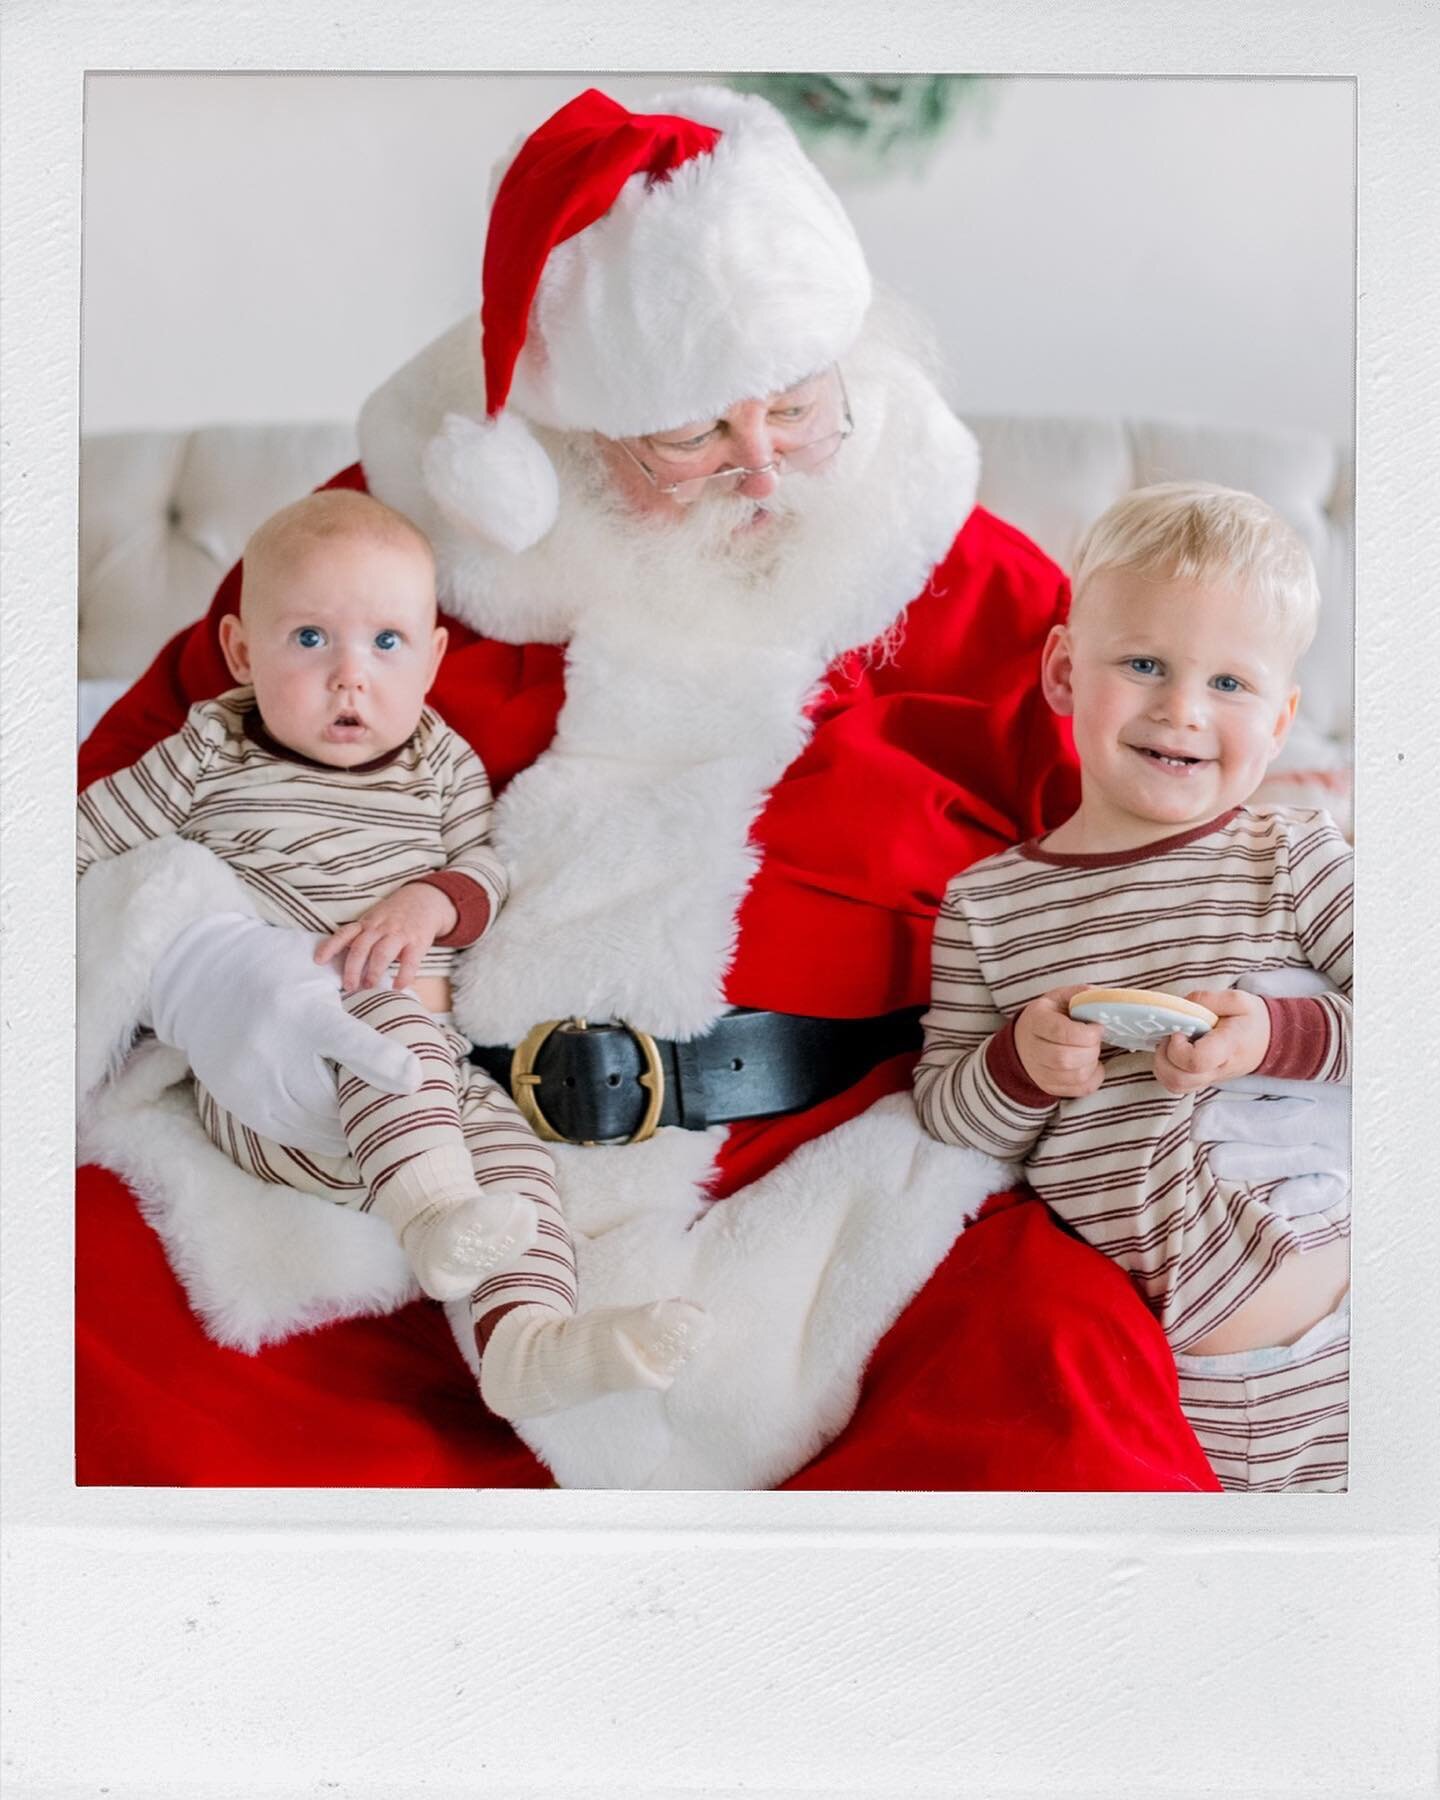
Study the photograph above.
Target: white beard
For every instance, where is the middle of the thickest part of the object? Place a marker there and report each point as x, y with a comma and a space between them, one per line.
692, 649
843, 551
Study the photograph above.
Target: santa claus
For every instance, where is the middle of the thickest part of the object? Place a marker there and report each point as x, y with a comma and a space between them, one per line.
754, 676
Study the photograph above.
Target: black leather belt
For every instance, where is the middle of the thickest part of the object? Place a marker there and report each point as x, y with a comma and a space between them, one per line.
580, 1083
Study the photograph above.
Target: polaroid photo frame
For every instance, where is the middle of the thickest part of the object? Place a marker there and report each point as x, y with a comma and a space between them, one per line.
379, 1643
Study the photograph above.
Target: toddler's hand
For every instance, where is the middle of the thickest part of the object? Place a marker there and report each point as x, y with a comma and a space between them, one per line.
1236, 1046
400, 928
1061, 1055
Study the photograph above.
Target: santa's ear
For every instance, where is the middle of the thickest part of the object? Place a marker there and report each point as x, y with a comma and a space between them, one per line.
1057, 669
233, 646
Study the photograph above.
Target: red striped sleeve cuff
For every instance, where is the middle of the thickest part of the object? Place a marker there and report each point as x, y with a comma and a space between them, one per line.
471, 903
1003, 1064
1299, 1039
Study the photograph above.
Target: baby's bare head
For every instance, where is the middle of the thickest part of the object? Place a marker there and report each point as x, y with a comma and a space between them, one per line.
336, 522
1212, 537
336, 630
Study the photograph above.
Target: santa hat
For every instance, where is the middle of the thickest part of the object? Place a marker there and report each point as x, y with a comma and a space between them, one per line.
643, 271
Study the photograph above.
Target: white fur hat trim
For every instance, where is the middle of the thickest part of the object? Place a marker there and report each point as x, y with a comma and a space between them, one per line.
734, 278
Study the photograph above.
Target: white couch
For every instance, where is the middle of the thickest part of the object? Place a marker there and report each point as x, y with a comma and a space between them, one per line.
163, 514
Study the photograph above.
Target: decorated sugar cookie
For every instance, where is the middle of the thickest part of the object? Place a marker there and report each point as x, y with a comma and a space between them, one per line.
1140, 1018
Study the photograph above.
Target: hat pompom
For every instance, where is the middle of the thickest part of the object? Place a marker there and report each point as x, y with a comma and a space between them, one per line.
493, 479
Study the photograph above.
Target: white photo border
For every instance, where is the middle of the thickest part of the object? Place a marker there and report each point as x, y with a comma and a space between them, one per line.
378, 1643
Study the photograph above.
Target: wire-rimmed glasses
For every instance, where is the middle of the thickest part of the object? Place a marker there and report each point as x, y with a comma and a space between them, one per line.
804, 458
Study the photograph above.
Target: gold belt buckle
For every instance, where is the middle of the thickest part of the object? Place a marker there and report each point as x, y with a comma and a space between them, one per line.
524, 1081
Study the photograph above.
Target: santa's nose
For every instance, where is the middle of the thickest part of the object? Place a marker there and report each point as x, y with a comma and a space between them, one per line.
752, 448
758, 483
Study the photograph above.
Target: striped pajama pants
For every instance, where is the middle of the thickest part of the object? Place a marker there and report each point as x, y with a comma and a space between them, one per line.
1273, 1421
455, 1105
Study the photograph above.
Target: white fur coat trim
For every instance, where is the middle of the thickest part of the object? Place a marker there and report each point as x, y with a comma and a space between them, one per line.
628, 842
258, 1263
803, 1272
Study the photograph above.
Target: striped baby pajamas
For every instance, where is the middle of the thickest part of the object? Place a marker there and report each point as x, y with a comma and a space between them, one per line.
315, 847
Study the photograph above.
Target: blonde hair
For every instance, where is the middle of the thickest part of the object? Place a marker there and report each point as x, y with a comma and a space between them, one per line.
334, 513
1196, 531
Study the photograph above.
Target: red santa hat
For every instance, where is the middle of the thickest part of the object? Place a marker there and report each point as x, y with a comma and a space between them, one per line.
643, 271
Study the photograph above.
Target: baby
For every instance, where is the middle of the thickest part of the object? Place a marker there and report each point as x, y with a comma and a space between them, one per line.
1192, 605
348, 808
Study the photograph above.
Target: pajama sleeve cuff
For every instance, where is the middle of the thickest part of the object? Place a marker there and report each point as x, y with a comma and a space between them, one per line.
472, 906
1003, 1064
1299, 1039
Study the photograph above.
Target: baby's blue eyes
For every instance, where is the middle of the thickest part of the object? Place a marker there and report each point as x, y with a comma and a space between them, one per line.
311, 637
1144, 665
1228, 684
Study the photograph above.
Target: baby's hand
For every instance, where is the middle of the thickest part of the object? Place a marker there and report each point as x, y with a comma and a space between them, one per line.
1061, 1055
1236, 1046
400, 928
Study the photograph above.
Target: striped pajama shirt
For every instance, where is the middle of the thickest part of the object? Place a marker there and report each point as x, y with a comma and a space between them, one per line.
315, 847
1259, 889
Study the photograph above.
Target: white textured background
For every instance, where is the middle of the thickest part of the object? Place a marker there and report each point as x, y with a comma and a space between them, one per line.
374, 1645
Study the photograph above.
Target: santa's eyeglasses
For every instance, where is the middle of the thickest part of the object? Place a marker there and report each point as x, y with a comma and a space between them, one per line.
803, 457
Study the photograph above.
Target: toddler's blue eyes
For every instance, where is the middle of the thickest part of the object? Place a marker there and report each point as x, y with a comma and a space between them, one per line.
1227, 684
1144, 665
387, 640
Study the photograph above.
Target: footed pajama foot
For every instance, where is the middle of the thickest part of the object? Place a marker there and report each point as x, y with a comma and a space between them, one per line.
538, 1361
454, 1245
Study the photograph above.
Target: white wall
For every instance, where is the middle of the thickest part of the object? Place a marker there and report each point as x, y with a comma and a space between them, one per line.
270, 247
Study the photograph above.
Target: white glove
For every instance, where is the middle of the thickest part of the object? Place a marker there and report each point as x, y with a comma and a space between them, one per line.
1297, 1132
260, 1021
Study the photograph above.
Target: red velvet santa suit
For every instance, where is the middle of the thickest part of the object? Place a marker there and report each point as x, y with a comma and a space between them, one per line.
1019, 1358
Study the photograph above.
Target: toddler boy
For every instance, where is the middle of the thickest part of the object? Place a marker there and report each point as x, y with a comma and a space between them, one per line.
1192, 605
348, 808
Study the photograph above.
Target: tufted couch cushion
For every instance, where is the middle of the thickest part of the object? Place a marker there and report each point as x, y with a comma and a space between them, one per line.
164, 514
